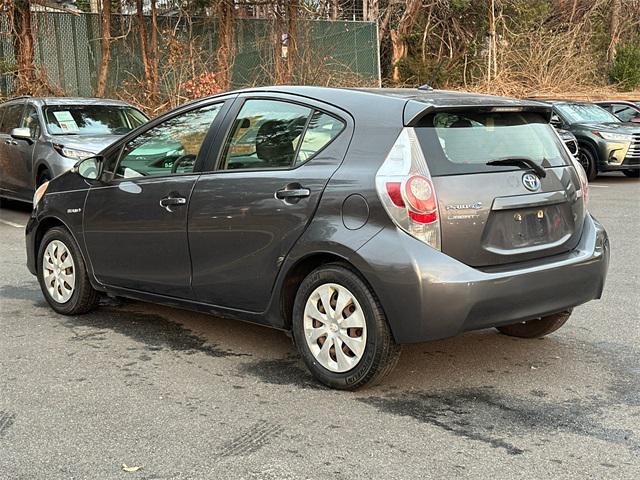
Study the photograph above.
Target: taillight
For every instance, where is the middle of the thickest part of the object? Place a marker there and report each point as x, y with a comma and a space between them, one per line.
584, 181
406, 190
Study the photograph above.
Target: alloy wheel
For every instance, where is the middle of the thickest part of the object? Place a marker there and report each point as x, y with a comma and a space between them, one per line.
334, 327
58, 271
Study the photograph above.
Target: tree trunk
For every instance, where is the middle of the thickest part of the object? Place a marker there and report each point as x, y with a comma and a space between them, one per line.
399, 36
226, 42
23, 48
292, 39
153, 52
614, 30
105, 49
144, 51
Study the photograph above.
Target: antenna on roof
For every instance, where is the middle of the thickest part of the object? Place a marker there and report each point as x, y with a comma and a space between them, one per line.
426, 87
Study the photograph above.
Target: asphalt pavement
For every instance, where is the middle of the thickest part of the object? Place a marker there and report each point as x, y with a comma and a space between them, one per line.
187, 396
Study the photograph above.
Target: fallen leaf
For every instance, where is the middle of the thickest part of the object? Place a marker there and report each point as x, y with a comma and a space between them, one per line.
130, 469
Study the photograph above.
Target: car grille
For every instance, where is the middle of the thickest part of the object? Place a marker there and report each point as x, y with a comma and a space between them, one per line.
572, 145
633, 155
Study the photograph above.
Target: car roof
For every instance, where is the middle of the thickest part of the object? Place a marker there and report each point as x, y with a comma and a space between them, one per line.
413, 103
444, 98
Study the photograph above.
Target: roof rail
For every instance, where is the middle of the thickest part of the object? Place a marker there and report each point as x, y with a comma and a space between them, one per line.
426, 87
19, 97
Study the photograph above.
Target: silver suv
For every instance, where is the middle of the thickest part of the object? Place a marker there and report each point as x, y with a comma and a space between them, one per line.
41, 138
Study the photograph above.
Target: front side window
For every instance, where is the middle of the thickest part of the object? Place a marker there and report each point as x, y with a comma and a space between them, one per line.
12, 117
30, 121
274, 134
461, 143
585, 113
92, 119
168, 148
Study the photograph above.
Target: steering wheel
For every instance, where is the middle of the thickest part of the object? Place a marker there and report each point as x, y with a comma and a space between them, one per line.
184, 158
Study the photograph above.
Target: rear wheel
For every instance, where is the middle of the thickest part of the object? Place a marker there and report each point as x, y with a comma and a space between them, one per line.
62, 274
588, 161
632, 173
536, 328
341, 331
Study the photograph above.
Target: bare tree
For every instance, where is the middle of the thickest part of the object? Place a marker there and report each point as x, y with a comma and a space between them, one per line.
23, 47
399, 35
105, 48
225, 12
614, 30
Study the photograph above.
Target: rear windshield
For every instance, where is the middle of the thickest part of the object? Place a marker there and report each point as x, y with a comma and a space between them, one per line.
92, 119
457, 143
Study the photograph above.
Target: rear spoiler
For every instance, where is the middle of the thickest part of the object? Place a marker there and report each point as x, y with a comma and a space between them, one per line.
414, 111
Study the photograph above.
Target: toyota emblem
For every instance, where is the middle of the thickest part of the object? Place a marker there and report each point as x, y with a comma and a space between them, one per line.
531, 182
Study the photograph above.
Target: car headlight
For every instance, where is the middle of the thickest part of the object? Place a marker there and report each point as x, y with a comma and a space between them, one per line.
42, 189
616, 137
72, 152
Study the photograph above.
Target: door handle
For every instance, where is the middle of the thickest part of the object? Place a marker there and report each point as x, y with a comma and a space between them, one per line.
168, 202
291, 193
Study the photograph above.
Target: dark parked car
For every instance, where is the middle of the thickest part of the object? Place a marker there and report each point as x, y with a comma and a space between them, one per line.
43, 137
625, 111
358, 220
605, 143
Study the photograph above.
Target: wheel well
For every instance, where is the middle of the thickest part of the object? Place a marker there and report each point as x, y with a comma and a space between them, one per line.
46, 225
41, 168
297, 274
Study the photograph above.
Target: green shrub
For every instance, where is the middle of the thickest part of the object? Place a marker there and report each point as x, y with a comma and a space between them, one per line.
625, 69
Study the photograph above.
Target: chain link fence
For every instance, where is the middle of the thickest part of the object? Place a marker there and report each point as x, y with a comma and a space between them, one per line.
67, 52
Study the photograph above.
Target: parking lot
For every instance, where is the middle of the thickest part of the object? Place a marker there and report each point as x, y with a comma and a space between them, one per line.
186, 396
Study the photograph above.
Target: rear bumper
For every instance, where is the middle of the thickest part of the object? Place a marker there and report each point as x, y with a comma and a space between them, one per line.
427, 295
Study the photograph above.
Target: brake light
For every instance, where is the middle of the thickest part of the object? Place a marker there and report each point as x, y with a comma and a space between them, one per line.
407, 192
584, 181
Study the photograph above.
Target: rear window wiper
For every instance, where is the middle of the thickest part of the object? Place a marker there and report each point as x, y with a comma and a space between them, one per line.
522, 162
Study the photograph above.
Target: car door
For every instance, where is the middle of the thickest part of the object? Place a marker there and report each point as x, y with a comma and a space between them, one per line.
135, 224
10, 156
245, 216
24, 176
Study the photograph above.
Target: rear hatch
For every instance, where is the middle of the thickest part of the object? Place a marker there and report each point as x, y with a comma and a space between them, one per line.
527, 205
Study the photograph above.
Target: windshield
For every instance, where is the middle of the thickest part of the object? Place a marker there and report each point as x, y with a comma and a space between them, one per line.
92, 119
460, 143
585, 113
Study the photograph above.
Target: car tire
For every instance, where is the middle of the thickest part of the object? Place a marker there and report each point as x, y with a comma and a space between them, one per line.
63, 274
588, 161
632, 173
537, 328
44, 176
361, 320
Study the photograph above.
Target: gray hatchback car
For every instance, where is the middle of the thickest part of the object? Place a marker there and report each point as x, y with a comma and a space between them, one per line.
357, 220
43, 137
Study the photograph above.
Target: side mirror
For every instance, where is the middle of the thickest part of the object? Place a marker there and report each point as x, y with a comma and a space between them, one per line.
555, 121
22, 134
89, 168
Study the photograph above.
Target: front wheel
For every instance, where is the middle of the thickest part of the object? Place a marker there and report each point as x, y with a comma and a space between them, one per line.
44, 176
341, 331
537, 328
632, 173
588, 162
62, 274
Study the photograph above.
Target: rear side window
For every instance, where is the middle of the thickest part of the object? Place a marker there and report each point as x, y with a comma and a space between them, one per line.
12, 117
269, 134
461, 143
